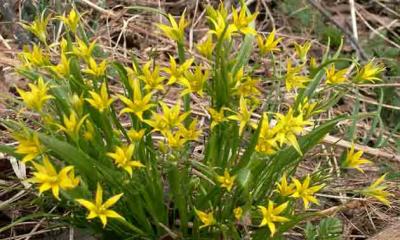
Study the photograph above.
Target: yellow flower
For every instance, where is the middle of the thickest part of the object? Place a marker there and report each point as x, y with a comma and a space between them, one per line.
100, 209
37, 96
36, 57
302, 50
172, 116
248, 87
139, 104
220, 26
206, 218
83, 50
176, 31
88, 134
378, 190
293, 79
213, 13
191, 133
123, 158
194, 81
285, 189
77, 103
71, 21
288, 126
238, 212
241, 21
95, 69
29, 146
305, 192
176, 72
136, 136
206, 48
158, 123
268, 45
369, 72
243, 116
152, 79
267, 142
100, 101
62, 68
333, 77
175, 140
226, 180
38, 27
313, 64
48, 178
217, 117
307, 108
271, 216
72, 125
354, 160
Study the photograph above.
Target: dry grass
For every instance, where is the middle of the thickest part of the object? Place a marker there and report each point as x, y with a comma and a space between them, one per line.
123, 31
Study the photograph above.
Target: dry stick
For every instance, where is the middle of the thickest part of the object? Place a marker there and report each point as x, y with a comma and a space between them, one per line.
269, 14
348, 34
97, 8
376, 31
373, 102
387, 8
353, 19
380, 85
369, 150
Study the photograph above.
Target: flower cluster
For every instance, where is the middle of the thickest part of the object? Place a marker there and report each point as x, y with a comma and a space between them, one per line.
117, 127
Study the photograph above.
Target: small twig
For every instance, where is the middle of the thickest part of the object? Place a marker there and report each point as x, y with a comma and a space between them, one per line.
380, 85
353, 19
376, 31
368, 150
99, 9
373, 102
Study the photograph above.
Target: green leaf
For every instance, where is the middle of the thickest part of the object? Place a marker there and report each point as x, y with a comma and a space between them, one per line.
310, 232
9, 150
244, 177
330, 229
244, 53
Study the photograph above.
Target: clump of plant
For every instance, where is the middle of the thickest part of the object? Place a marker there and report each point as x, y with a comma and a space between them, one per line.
107, 144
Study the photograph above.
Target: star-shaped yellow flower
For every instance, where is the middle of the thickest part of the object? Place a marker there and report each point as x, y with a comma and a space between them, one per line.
270, 215
268, 45
378, 191
285, 189
71, 21
29, 146
243, 116
123, 158
100, 101
176, 31
175, 72
242, 21
48, 178
100, 209
37, 96
288, 127
306, 192
139, 104
354, 160
293, 79
206, 218
369, 72
335, 77
226, 180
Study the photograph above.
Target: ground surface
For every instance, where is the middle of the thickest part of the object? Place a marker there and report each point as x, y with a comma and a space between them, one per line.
124, 31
